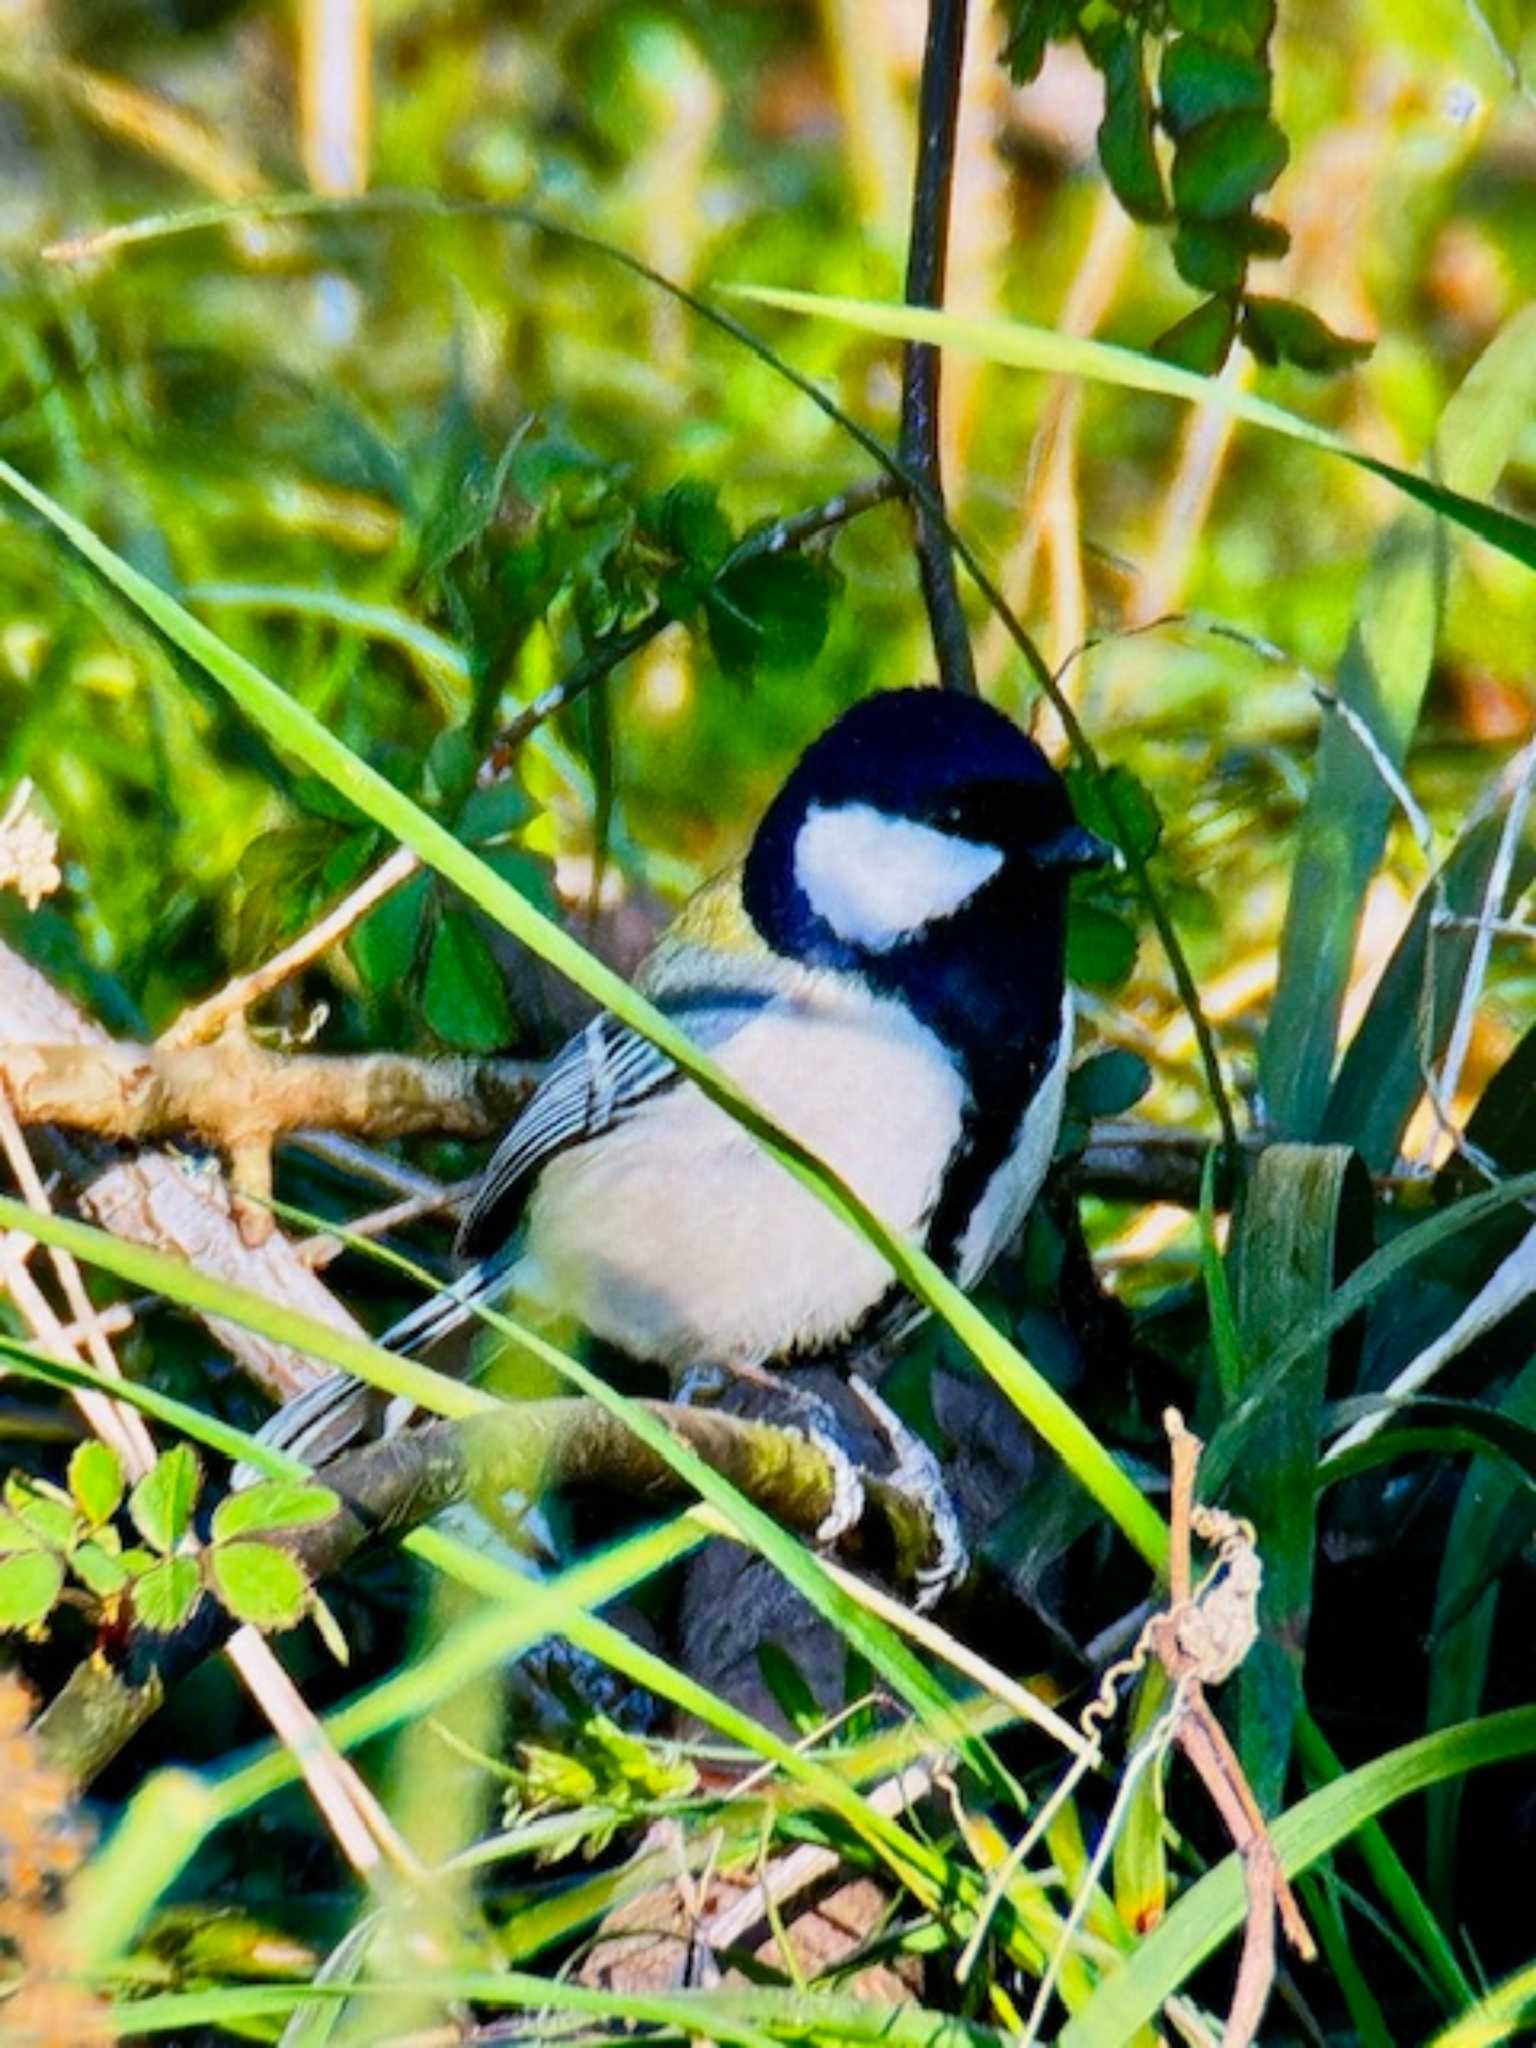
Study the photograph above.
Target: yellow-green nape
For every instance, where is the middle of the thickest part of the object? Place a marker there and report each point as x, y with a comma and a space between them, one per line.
715, 916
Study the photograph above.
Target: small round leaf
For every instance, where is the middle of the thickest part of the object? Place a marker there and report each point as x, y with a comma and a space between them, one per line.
161, 1504
259, 1584
275, 1504
29, 1585
165, 1596
96, 1481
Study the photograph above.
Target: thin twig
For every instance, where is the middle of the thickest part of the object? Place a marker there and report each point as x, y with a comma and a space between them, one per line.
207, 1019
607, 653
927, 251
118, 1425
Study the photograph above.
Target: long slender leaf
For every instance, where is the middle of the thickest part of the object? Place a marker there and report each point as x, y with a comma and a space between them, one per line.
1381, 1075
801, 1567
1363, 1286
1507, 2011
1381, 679
112, 1908
1490, 1521
730, 2014
1018, 345
1300, 1208
293, 728
1213, 1909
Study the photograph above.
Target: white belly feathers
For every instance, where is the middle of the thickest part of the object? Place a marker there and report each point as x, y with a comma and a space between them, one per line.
676, 1238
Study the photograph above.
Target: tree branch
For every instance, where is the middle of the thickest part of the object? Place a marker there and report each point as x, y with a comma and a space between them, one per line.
526, 1448
927, 251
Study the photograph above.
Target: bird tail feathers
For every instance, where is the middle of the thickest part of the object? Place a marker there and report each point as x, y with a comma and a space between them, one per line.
327, 1418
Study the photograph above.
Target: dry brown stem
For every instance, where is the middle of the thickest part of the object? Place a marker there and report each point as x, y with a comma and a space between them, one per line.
241, 1099
1194, 1656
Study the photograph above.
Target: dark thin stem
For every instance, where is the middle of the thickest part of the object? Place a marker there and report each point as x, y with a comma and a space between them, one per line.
605, 655
287, 205
927, 251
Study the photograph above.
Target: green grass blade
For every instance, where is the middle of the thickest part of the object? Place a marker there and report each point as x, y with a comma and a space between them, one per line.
1018, 345
1508, 2010
291, 727
732, 2014
1381, 678
1213, 1909
1300, 1206
1482, 1536
1381, 1076
1363, 1286
530, 1610
179, 1282
1343, 830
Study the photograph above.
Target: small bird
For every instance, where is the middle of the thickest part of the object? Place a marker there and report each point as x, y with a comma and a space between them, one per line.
884, 975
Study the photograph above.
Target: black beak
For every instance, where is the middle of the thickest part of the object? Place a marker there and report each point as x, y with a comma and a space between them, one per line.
1073, 850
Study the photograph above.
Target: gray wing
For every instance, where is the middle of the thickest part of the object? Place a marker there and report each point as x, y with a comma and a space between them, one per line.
598, 1079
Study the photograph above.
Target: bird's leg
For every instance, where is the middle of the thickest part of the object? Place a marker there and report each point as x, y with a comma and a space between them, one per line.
917, 1474
703, 1385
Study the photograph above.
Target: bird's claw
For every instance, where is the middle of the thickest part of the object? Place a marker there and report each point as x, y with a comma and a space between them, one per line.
917, 1474
847, 1507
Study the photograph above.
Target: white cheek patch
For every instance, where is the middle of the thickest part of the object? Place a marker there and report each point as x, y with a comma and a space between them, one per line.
878, 880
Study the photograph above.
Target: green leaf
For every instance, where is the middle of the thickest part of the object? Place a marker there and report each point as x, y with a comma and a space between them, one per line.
383, 947
279, 882
165, 1596
1235, 24
451, 762
689, 525
1109, 1083
1126, 149
1202, 340
273, 1504
29, 1585
771, 611
1032, 25
1119, 807
161, 1504
491, 813
98, 1569
1303, 1218
1489, 1525
1383, 675
16, 1536
1213, 256
1279, 331
463, 997
1199, 79
96, 1481
532, 875
1502, 2014
1101, 946
49, 1516
791, 1691
1222, 166
313, 794
1025, 347
259, 1584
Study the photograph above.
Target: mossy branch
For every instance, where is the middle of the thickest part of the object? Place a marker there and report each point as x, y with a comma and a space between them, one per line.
526, 1449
